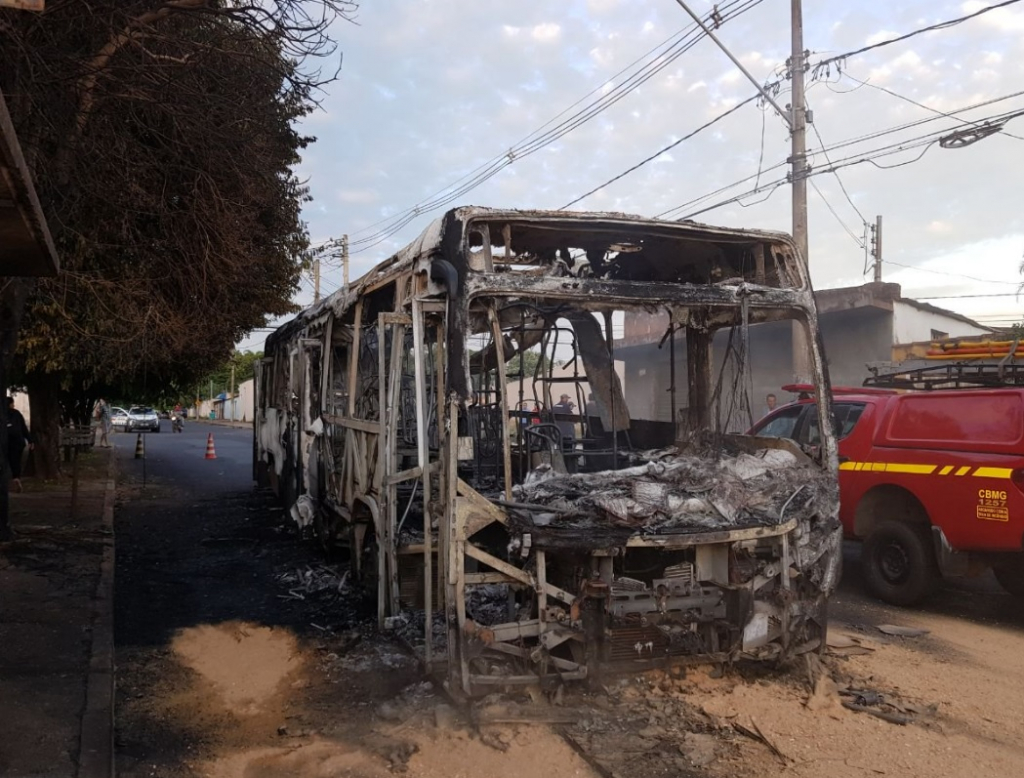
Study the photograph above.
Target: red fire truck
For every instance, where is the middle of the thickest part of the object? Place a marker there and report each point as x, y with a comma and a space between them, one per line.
932, 479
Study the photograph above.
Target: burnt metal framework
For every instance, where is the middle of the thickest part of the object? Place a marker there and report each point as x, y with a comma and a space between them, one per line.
387, 421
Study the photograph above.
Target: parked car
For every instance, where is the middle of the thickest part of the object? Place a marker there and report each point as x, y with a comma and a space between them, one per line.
118, 418
931, 481
140, 419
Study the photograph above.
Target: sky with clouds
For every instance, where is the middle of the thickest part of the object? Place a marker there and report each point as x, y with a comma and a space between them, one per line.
432, 89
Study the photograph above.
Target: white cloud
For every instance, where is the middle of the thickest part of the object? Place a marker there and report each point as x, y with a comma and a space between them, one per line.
881, 35
431, 94
546, 33
1004, 19
603, 57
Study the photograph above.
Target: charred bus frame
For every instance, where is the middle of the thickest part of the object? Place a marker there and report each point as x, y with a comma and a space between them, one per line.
519, 551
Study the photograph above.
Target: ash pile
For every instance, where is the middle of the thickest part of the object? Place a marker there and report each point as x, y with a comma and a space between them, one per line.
672, 491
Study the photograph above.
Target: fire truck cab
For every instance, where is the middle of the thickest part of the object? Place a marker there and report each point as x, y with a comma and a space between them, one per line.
931, 480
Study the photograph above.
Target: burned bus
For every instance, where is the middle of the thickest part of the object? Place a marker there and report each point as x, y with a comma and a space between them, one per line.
460, 422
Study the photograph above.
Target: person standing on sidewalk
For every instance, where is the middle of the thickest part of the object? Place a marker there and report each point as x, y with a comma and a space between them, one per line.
18, 437
103, 414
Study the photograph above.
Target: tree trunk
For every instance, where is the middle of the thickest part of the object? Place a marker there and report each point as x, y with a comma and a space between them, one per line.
44, 403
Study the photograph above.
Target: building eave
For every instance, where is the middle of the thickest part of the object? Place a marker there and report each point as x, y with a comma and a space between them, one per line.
26, 246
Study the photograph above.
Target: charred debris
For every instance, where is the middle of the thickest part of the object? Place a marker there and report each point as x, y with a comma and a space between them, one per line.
467, 419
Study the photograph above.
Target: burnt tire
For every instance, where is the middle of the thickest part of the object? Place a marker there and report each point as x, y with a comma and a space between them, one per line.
899, 563
1011, 576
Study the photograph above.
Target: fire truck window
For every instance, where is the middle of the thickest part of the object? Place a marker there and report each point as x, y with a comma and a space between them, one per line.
781, 425
847, 417
811, 433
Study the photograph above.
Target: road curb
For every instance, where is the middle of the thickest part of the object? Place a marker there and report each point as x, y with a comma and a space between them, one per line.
96, 738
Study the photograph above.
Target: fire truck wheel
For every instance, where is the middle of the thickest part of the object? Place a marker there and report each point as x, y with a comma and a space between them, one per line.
1011, 576
899, 563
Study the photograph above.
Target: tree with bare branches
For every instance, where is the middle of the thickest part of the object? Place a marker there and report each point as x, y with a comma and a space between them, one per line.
161, 135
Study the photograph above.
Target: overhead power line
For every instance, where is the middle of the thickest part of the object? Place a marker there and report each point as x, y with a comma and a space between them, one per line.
666, 54
825, 63
962, 296
673, 47
954, 275
923, 142
850, 232
664, 150
910, 100
776, 86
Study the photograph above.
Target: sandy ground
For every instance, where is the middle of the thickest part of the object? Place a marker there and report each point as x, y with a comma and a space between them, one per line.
272, 706
961, 686
241, 656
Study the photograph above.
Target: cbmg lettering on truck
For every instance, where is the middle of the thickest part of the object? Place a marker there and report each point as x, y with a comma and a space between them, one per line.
992, 505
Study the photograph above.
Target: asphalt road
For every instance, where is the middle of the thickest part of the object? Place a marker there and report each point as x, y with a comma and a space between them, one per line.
178, 459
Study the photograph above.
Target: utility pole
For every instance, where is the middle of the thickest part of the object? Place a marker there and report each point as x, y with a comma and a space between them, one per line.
876, 248
231, 395
796, 117
344, 261
316, 280
798, 177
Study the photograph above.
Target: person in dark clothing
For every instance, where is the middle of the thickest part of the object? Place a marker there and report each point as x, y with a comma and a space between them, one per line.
18, 437
568, 428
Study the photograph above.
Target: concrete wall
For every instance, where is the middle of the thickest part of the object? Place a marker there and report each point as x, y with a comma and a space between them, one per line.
852, 338
246, 400
530, 397
240, 407
911, 324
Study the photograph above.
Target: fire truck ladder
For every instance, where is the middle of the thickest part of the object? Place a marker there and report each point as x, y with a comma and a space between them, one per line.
961, 375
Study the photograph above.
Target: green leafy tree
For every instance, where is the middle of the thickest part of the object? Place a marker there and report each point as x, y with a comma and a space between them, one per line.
238, 369
161, 134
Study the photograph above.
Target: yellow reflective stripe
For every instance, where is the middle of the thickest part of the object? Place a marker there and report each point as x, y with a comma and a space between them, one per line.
917, 469
993, 472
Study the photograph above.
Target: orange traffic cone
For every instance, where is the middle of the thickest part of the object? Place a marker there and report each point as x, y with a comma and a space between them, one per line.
140, 448
210, 453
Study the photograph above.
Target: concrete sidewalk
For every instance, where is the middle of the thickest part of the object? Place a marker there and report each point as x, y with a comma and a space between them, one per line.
247, 425
56, 627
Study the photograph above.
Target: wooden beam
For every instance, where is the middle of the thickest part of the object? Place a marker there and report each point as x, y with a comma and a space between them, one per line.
372, 427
